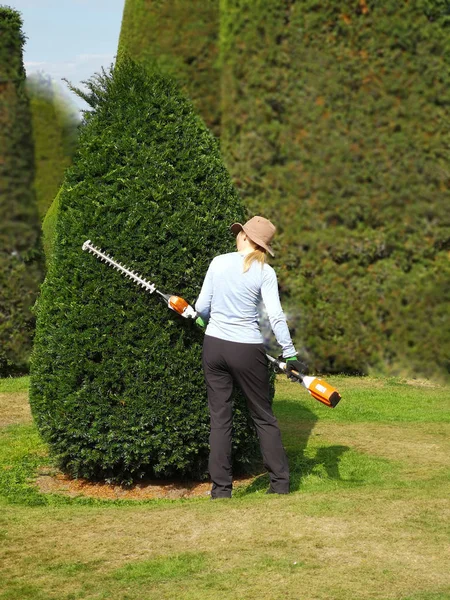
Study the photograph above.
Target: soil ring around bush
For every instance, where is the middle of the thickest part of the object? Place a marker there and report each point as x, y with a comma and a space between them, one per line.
50, 481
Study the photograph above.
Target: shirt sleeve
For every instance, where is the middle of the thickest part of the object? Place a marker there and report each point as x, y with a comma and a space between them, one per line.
203, 303
271, 299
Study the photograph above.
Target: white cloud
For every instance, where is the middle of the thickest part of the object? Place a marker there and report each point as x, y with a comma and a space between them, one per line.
82, 64
80, 68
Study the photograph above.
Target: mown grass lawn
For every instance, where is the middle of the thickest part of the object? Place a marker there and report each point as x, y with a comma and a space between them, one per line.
368, 516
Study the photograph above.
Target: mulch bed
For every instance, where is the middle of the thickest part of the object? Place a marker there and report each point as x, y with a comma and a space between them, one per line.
54, 482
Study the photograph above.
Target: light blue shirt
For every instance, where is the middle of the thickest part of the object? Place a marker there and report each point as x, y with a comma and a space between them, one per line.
229, 301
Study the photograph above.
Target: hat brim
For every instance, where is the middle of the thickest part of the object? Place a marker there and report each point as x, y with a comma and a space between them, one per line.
237, 227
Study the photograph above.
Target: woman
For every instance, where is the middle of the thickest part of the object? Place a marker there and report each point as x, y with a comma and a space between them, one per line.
233, 351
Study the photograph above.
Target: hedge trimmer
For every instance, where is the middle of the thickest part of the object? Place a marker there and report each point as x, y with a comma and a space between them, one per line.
318, 388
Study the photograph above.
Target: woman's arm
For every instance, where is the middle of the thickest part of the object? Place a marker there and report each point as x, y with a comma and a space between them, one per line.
271, 299
203, 303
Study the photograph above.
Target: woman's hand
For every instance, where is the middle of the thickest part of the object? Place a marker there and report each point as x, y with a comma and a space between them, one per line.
200, 322
293, 364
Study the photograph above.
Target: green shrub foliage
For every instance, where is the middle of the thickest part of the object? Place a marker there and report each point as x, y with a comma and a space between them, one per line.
182, 37
49, 228
55, 122
117, 386
335, 125
20, 253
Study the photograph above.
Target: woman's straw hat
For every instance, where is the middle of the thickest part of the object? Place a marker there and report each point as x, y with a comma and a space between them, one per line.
259, 230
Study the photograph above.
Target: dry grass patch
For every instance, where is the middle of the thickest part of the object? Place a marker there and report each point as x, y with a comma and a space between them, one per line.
418, 444
367, 546
14, 408
429, 383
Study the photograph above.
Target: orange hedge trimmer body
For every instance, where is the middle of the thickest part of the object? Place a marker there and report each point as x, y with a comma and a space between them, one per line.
318, 388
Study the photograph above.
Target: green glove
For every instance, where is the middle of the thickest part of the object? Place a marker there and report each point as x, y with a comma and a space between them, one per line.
200, 322
293, 364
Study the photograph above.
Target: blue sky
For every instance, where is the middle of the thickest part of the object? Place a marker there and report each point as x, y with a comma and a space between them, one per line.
69, 38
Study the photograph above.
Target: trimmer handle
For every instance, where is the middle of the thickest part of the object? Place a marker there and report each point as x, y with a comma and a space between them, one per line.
281, 367
298, 376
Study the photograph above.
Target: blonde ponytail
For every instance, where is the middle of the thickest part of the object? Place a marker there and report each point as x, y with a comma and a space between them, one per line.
258, 255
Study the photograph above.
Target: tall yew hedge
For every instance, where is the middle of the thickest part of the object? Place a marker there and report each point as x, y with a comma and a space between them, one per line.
117, 386
20, 251
335, 125
182, 37
54, 123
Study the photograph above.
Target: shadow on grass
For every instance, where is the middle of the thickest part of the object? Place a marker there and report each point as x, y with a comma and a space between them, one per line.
297, 423
326, 457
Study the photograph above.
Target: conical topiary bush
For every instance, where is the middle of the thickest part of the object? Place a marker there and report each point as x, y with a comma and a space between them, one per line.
117, 387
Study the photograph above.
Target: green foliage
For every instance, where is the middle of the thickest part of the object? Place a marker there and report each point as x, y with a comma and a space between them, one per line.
49, 227
182, 38
117, 387
55, 121
20, 253
11, 63
335, 125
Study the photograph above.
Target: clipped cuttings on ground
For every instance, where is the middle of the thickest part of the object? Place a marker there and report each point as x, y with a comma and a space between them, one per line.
21, 268
117, 387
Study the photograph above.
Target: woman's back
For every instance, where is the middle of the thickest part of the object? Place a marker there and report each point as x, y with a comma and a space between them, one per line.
235, 299
230, 297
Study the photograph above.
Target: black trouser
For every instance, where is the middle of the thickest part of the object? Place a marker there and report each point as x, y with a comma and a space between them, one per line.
246, 364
